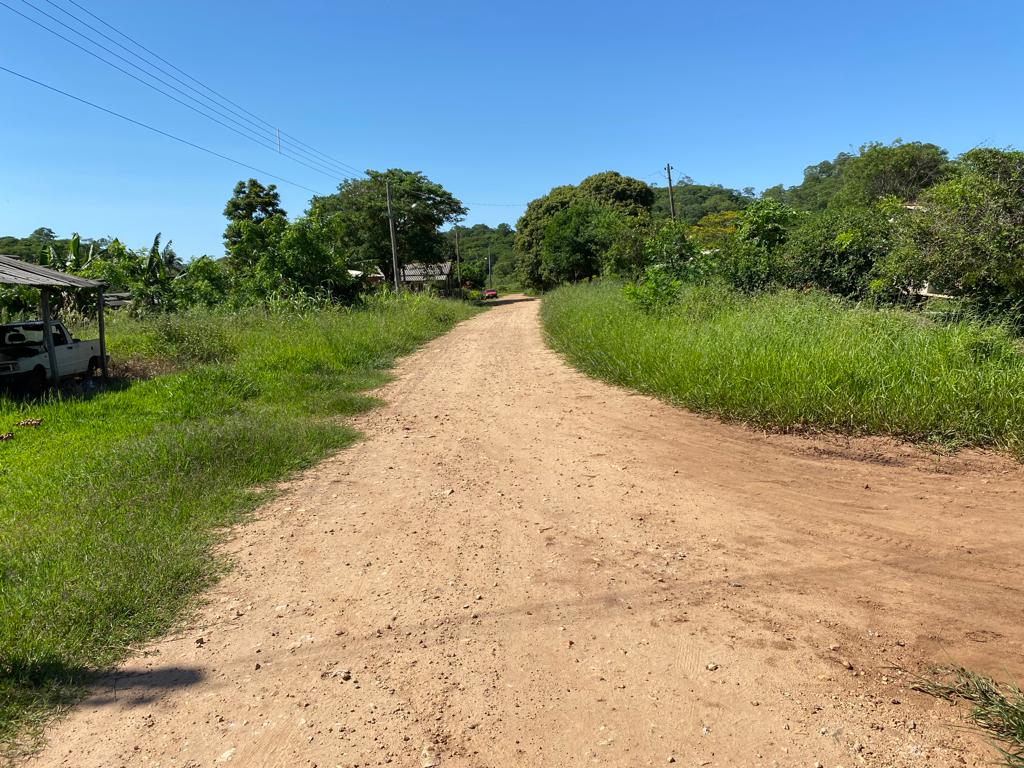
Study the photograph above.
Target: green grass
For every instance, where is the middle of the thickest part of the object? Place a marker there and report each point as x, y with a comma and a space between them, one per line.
801, 361
996, 709
109, 509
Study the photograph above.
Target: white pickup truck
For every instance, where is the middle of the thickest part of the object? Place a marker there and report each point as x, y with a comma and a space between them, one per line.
25, 363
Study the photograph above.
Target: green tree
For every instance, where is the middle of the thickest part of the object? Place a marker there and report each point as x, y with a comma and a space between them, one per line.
695, 201
714, 229
903, 169
622, 193
899, 169
529, 237
838, 250
820, 184
478, 242
204, 282
255, 222
354, 221
601, 213
572, 248
766, 222
967, 235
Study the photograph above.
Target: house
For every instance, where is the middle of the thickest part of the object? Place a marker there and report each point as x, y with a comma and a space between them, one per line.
419, 277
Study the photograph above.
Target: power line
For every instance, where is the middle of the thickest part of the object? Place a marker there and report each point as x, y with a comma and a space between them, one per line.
207, 88
314, 165
156, 130
263, 131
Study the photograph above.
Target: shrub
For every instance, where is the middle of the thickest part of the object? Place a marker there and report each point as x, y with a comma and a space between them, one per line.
837, 250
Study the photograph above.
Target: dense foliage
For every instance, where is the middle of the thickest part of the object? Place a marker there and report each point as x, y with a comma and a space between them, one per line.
316, 258
891, 223
478, 245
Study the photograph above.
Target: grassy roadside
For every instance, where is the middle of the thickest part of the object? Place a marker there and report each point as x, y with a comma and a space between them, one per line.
996, 709
109, 509
798, 361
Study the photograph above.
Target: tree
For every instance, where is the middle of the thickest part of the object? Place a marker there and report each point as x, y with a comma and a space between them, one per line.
898, 169
715, 229
877, 170
695, 201
571, 249
599, 210
967, 235
203, 283
255, 222
821, 182
478, 242
530, 231
622, 193
766, 222
354, 220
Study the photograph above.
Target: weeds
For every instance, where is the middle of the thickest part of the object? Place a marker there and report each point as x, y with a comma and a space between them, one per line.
110, 507
796, 361
998, 709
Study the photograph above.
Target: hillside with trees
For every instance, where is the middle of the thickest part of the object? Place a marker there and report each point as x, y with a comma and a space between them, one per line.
889, 223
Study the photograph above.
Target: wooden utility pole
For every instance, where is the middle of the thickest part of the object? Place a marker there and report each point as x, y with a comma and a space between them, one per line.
671, 196
391, 226
490, 278
458, 260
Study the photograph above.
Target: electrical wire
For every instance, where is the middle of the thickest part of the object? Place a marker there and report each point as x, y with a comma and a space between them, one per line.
207, 88
315, 165
156, 130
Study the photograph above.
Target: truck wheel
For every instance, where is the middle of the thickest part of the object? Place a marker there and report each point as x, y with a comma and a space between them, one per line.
38, 380
94, 367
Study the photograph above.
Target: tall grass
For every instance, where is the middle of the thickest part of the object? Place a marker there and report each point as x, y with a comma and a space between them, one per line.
109, 509
797, 361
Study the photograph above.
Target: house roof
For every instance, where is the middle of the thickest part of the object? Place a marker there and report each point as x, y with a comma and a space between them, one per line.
418, 273
14, 271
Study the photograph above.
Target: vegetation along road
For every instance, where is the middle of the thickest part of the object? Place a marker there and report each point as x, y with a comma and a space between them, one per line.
524, 566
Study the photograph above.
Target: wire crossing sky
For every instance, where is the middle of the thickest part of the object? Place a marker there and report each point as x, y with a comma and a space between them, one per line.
496, 101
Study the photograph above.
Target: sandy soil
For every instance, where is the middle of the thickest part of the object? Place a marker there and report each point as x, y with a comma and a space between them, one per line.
523, 567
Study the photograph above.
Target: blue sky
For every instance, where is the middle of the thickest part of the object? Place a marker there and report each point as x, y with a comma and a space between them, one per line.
498, 101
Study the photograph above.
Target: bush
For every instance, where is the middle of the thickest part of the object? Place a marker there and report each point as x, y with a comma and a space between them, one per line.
837, 250
656, 291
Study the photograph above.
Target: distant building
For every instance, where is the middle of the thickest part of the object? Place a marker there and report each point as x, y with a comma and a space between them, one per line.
418, 277
373, 278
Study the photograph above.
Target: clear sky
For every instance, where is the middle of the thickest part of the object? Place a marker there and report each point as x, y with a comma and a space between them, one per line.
499, 101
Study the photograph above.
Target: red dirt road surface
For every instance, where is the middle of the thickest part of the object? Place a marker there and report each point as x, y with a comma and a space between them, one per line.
521, 566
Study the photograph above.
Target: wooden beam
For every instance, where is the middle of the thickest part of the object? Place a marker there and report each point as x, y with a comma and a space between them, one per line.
48, 337
103, 336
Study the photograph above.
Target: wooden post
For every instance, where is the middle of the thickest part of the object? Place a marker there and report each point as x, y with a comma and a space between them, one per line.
48, 337
103, 335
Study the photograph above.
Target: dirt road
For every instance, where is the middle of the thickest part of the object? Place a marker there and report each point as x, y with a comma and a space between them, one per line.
523, 567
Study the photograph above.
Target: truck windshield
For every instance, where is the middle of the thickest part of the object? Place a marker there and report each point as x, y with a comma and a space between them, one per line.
31, 333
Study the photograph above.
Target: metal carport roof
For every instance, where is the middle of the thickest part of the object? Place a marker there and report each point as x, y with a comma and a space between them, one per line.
14, 271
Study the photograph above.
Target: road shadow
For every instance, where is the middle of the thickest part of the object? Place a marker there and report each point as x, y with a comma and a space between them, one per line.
135, 689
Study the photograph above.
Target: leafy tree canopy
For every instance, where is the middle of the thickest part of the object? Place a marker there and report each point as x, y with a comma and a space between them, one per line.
354, 220
695, 201
877, 170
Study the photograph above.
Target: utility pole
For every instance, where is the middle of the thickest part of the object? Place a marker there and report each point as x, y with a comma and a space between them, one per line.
671, 196
490, 277
458, 260
391, 226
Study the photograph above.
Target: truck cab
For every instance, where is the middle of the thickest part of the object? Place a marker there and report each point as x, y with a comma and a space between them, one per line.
25, 362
